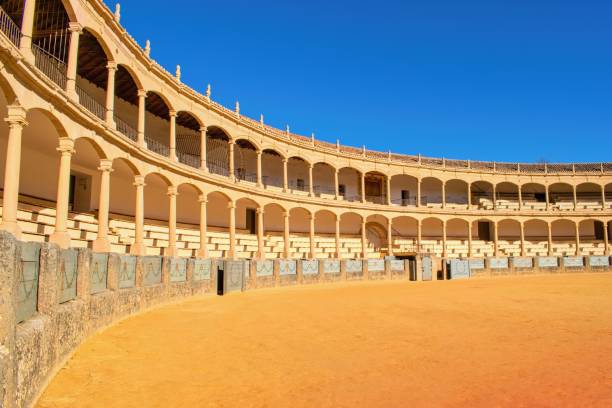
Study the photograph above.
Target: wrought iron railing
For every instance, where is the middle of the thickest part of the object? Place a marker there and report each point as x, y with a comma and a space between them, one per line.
124, 128
157, 147
89, 103
52, 67
9, 28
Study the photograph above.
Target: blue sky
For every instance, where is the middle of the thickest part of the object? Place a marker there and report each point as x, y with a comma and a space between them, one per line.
508, 80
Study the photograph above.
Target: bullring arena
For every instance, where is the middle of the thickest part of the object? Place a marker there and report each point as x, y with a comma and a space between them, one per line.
355, 277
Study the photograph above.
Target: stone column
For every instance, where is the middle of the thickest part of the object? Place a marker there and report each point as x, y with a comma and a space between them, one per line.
27, 29
142, 95
336, 187
444, 194
337, 236
172, 135
363, 194
311, 233
577, 231
418, 202
364, 239
550, 248
388, 190
287, 243
60, 235
469, 239
575, 198
102, 244
285, 176
390, 236
232, 230
603, 197
138, 247
203, 250
495, 240
203, 140
259, 184
110, 94
523, 251
606, 239
172, 193
310, 181
71, 68
469, 196
12, 167
260, 234
231, 145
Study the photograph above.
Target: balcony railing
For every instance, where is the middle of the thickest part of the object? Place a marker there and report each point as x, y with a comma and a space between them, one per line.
89, 103
9, 28
157, 147
52, 67
124, 128
188, 159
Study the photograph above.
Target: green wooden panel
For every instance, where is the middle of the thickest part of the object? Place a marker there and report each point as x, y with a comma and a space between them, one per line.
127, 271
27, 290
152, 270
201, 269
98, 274
178, 270
67, 275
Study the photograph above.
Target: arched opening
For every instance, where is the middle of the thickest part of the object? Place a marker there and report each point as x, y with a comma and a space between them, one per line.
507, 196
457, 238
188, 220
431, 192
157, 124
245, 161
272, 169
509, 237
563, 237
377, 235
592, 237
431, 236
125, 104
533, 196
456, 193
483, 238
561, 196
588, 196
376, 187
350, 235
299, 228
92, 74
246, 228
217, 151
298, 174
482, 195
349, 184
274, 226
122, 205
323, 178
217, 220
156, 211
404, 190
405, 236
188, 139
325, 231
536, 238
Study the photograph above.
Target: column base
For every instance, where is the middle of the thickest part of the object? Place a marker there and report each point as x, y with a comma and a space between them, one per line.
101, 245
61, 239
137, 249
12, 227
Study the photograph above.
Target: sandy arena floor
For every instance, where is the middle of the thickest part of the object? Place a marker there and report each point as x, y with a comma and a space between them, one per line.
517, 342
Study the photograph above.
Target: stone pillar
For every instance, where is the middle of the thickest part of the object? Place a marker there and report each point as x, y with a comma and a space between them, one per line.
418, 202
547, 197
337, 236
444, 194
172, 250
311, 233
575, 198
390, 237
27, 29
260, 234
310, 181
469, 254
110, 94
606, 240
138, 247
203, 153
60, 235
469, 196
231, 145
71, 68
12, 167
363, 194
286, 242
172, 143
259, 184
102, 244
142, 95
388, 190
203, 250
550, 248
495, 240
603, 197
285, 176
364, 239
577, 231
232, 230
523, 251
520, 197
336, 186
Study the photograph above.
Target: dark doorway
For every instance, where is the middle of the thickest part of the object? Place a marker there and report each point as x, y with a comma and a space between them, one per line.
251, 220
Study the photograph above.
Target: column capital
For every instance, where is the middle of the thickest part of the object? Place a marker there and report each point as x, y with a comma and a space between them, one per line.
112, 66
142, 93
75, 27
139, 181
172, 191
203, 198
106, 165
66, 145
